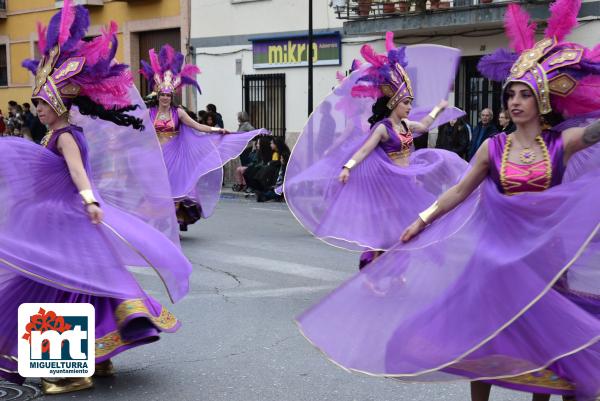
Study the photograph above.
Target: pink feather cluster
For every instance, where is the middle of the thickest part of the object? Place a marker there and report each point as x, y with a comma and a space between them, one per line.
519, 29
66, 20
584, 99
98, 48
563, 18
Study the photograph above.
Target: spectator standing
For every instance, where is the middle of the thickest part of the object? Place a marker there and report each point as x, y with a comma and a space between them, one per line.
506, 125
484, 130
2, 124
28, 119
244, 122
211, 108
454, 137
210, 119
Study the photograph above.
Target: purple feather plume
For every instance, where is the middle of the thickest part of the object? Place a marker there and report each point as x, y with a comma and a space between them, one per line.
496, 66
398, 56
191, 81
31, 65
178, 62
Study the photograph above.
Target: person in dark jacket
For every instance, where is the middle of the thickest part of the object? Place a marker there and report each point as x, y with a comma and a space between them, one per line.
485, 129
506, 124
454, 136
211, 108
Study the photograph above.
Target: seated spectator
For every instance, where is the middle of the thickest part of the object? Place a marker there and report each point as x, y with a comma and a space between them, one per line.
264, 156
266, 177
251, 159
272, 193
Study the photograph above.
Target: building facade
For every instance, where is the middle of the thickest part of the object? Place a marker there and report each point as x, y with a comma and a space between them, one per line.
253, 56
250, 51
142, 24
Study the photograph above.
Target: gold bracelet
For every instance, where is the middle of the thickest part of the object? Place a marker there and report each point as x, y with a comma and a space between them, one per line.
87, 196
214, 129
350, 164
427, 214
435, 112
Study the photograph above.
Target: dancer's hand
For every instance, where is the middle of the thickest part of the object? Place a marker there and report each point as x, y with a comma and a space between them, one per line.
443, 104
224, 131
95, 213
413, 230
344, 175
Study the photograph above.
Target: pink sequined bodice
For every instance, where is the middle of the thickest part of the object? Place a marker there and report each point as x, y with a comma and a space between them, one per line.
164, 125
534, 177
513, 178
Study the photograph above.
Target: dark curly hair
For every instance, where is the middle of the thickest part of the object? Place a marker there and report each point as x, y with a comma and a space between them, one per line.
118, 116
380, 110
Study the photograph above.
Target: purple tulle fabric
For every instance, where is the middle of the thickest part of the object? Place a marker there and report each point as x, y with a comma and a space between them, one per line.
500, 287
350, 215
195, 163
46, 235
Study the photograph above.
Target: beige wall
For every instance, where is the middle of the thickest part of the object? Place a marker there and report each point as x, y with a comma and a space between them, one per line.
18, 32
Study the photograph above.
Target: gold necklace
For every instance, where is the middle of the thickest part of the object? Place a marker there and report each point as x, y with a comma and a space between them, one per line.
527, 155
164, 116
46, 139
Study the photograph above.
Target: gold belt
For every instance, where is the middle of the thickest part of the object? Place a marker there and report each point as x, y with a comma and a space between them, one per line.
167, 134
404, 153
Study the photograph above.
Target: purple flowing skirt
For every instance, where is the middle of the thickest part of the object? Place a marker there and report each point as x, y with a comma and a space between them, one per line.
195, 163
120, 324
350, 215
503, 288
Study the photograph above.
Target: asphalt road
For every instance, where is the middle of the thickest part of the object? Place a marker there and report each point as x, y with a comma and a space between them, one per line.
255, 268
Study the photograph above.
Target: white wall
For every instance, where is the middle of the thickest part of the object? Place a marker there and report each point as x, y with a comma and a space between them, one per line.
221, 17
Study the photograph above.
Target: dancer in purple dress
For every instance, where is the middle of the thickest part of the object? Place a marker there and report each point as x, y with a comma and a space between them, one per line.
350, 170
502, 285
80, 209
194, 155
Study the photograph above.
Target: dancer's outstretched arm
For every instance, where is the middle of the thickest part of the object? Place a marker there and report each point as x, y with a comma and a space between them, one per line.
454, 196
425, 123
379, 135
187, 120
576, 139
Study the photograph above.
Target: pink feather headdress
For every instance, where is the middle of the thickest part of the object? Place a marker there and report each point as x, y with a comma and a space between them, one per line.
564, 76
167, 72
71, 67
386, 75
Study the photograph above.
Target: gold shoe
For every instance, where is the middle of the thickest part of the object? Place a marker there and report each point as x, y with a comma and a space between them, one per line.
66, 385
104, 369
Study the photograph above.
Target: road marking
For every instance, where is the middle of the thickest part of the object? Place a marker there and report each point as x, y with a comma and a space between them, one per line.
276, 266
266, 293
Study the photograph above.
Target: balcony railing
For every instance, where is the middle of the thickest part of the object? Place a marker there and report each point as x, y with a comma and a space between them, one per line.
377, 9
59, 3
